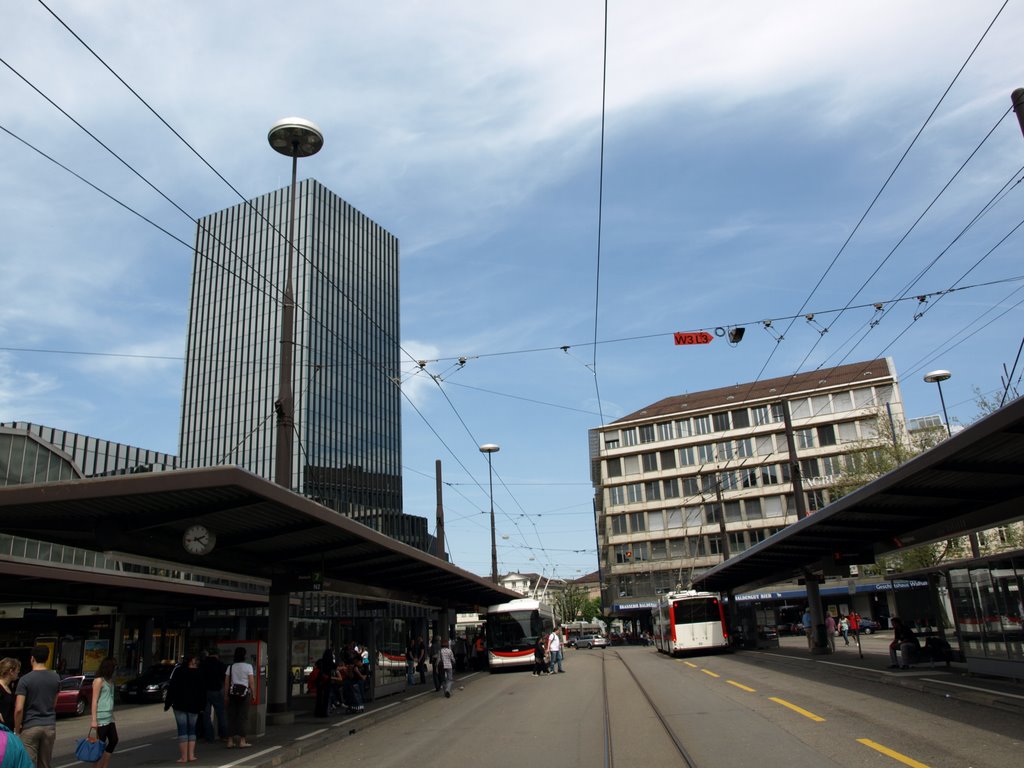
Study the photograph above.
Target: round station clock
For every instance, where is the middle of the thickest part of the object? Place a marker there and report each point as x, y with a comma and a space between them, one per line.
198, 540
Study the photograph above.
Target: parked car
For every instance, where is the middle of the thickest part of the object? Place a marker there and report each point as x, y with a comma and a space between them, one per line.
75, 695
591, 641
151, 685
867, 626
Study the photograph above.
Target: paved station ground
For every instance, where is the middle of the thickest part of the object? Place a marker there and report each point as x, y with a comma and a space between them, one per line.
517, 719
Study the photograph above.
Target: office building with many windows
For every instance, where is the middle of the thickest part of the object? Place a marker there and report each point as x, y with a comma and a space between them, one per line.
685, 482
347, 439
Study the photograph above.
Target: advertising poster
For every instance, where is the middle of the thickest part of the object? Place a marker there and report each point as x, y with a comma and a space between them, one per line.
95, 652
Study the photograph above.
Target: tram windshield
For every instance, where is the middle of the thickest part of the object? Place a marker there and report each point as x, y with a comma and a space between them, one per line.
514, 629
696, 610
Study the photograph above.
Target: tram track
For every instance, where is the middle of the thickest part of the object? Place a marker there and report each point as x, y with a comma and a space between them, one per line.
609, 751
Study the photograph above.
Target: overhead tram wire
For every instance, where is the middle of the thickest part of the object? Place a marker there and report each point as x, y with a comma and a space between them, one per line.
881, 190
600, 210
248, 203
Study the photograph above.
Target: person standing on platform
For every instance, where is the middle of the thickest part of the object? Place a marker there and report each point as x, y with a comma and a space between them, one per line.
554, 647
35, 719
435, 662
540, 667
447, 664
213, 670
239, 692
103, 709
186, 695
410, 663
421, 659
830, 631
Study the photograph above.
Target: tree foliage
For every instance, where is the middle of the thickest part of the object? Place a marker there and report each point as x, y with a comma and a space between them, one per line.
570, 603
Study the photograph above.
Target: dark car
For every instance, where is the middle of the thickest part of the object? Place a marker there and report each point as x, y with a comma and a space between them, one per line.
75, 695
151, 685
867, 626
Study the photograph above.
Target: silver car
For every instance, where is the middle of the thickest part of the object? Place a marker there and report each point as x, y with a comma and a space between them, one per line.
591, 641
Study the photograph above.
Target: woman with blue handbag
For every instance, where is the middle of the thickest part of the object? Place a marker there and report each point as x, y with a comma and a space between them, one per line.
103, 710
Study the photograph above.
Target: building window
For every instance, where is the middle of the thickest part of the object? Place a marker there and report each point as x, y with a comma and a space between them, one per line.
691, 486
809, 468
634, 493
720, 421
723, 450
760, 414
848, 432
629, 436
841, 401
686, 456
714, 545
647, 433
623, 553
748, 478
740, 419
701, 425
799, 408
611, 439
674, 518
618, 525
637, 521
670, 488
652, 490
765, 445
863, 398
744, 448
694, 518
737, 542
668, 459
613, 468
727, 480
640, 552
752, 509
659, 550
650, 462
631, 465
804, 438
667, 431
616, 495
706, 453
772, 506
826, 435
733, 512
656, 521
769, 474
831, 465
815, 501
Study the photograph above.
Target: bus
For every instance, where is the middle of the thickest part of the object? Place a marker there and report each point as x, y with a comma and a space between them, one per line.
688, 621
512, 631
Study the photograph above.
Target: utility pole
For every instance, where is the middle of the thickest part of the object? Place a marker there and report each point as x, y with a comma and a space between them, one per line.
439, 547
794, 463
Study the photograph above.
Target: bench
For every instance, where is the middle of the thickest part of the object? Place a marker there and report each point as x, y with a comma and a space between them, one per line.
935, 649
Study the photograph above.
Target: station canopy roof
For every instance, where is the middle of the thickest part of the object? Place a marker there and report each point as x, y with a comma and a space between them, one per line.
262, 531
970, 482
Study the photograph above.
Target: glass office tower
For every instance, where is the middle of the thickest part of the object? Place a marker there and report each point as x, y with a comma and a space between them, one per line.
347, 441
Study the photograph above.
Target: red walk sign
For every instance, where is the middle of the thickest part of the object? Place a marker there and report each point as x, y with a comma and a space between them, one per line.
701, 337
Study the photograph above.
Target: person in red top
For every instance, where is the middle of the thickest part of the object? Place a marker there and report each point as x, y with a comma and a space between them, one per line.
855, 625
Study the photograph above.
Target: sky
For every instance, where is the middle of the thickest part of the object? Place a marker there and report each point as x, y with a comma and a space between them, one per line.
566, 199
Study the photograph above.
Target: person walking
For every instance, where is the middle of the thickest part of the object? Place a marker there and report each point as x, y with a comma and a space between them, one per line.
435, 662
808, 624
540, 666
844, 627
239, 691
187, 696
10, 668
35, 719
13, 751
212, 670
830, 631
410, 663
103, 709
447, 664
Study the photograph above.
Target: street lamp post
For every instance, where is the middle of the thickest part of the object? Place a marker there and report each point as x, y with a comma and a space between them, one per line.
937, 377
295, 137
490, 448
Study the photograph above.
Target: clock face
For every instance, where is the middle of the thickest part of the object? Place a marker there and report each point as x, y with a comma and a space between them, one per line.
198, 540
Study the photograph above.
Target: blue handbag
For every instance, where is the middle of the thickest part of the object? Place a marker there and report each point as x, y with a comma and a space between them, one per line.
89, 749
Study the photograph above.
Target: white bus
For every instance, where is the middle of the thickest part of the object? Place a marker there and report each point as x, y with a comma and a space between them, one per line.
688, 621
512, 631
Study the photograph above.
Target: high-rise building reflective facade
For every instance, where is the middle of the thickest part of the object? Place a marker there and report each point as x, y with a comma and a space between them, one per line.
347, 442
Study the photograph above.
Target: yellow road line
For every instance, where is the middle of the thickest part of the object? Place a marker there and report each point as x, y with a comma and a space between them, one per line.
800, 710
709, 672
741, 687
690, 664
892, 753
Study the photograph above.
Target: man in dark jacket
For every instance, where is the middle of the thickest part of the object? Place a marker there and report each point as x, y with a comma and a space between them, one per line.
212, 670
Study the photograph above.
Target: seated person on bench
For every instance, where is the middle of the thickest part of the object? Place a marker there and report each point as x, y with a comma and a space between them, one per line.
903, 641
